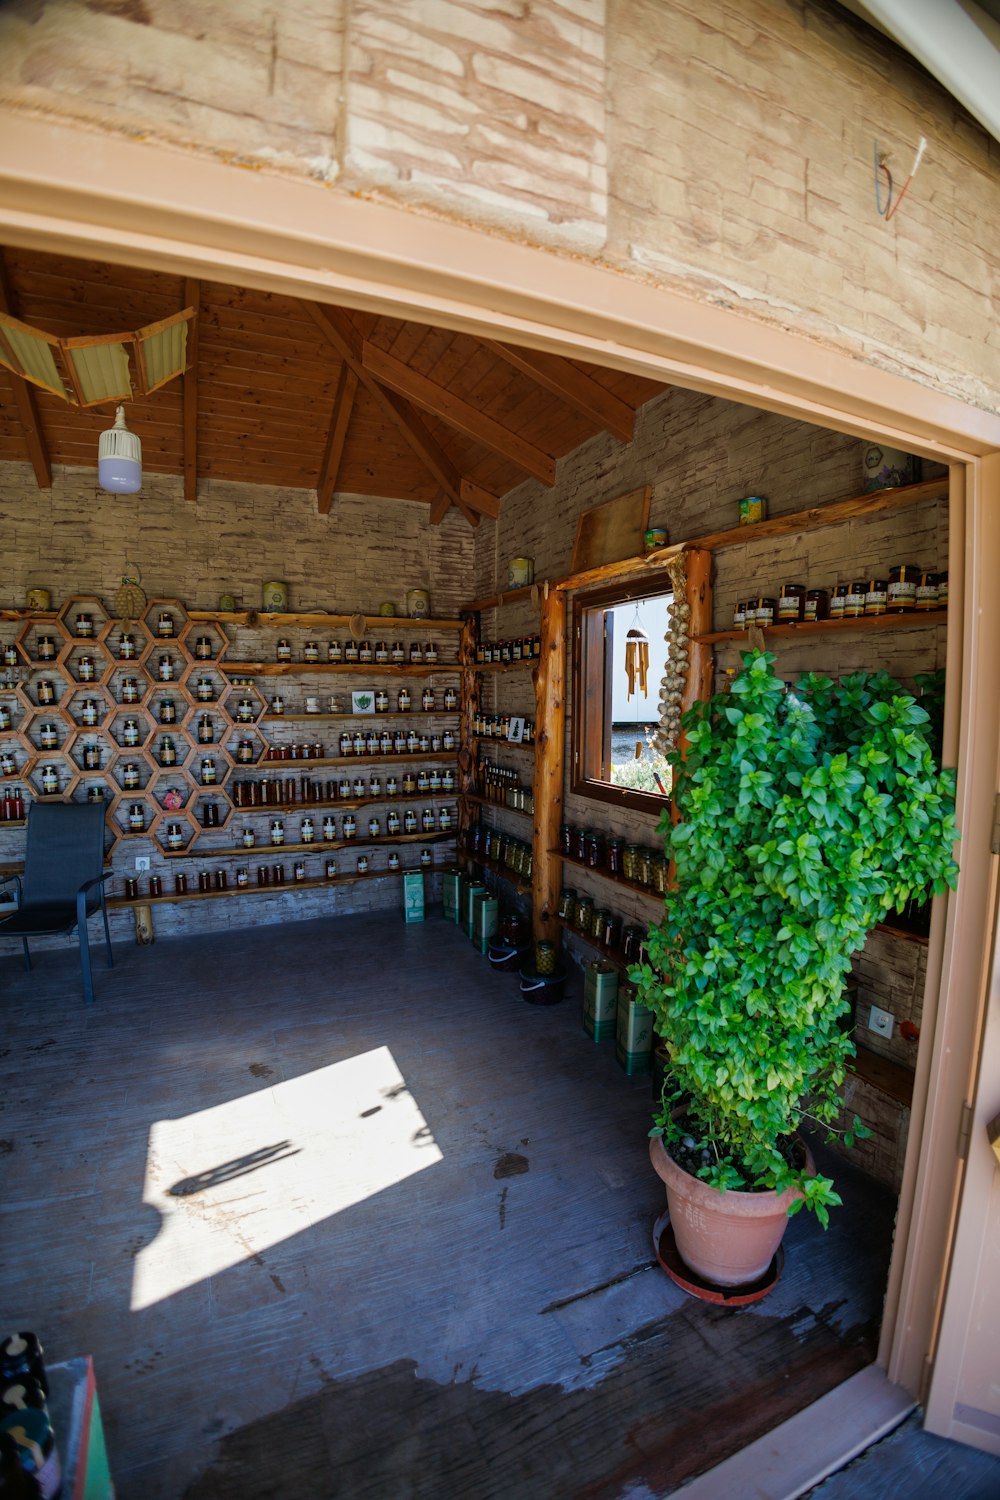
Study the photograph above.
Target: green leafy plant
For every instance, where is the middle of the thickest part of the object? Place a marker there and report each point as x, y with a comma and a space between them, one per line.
807, 814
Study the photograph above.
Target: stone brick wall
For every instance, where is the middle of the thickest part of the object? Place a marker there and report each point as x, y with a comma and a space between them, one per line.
719, 147
75, 540
699, 455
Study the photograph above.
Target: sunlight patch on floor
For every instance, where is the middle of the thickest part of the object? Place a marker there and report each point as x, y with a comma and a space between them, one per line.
233, 1180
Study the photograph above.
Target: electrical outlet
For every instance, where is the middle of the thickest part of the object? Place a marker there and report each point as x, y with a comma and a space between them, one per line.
142, 863
881, 1021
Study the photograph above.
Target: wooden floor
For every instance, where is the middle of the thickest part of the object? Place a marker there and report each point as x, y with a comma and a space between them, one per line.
338, 1214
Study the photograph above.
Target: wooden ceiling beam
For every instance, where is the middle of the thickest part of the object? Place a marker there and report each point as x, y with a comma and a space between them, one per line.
348, 343
457, 413
192, 298
573, 386
24, 399
343, 406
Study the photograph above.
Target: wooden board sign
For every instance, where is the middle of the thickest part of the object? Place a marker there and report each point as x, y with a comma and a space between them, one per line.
612, 531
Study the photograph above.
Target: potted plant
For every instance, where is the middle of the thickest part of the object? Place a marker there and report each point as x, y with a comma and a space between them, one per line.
805, 815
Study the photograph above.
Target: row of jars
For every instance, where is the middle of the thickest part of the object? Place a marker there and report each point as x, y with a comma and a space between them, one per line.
514, 854
361, 652
497, 727
636, 862
246, 710
410, 783
500, 784
578, 910
267, 875
430, 821
524, 649
907, 589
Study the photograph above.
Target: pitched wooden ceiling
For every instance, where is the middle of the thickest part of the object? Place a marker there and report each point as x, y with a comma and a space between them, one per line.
288, 392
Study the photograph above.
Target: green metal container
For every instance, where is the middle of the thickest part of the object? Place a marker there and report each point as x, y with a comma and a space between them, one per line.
451, 893
485, 920
633, 1033
472, 890
413, 896
600, 1001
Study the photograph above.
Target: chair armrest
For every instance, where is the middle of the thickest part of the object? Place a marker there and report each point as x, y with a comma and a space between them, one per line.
97, 880
6, 880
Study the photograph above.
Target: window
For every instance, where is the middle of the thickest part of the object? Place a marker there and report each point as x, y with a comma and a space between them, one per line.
615, 713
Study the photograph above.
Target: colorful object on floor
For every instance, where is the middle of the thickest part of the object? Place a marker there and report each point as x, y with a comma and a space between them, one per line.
413, 896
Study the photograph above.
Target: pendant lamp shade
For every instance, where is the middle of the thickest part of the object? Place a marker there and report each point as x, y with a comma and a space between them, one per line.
119, 458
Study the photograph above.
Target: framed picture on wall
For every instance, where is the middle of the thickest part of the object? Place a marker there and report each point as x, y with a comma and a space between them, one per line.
363, 701
515, 731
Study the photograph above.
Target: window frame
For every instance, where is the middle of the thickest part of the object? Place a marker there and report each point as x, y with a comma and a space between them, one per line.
585, 690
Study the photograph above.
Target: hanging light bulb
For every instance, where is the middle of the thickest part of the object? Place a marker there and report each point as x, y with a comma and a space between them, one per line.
119, 458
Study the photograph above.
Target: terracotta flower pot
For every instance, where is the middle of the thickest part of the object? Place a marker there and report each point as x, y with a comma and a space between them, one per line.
729, 1238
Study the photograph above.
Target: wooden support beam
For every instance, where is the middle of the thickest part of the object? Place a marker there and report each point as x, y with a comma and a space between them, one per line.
458, 413
343, 406
469, 687
479, 499
337, 327
700, 655
578, 389
24, 400
192, 296
439, 509
550, 725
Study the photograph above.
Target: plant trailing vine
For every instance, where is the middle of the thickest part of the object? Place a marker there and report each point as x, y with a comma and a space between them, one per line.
806, 816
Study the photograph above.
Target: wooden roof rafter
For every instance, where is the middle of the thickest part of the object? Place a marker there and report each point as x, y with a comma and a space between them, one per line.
24, 398
192, 296
471, 499
569, 384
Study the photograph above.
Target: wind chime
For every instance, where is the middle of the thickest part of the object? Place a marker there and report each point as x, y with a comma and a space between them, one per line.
637, 670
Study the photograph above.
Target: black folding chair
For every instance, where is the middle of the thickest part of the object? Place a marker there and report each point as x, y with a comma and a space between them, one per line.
63, 880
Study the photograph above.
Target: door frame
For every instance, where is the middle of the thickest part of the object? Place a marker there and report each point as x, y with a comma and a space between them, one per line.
64, 188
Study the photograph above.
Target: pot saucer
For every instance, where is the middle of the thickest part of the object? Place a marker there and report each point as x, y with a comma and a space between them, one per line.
665, 1249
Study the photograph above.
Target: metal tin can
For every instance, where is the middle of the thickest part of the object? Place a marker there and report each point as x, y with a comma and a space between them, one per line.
752, 508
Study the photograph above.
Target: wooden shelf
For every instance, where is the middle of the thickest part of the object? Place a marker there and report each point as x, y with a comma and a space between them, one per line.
613, 955
497, 601
318, 846
376, 758
276, 621
855, 507
500, 806
491, 742
907, 934
349, 804
381, 716
168, 898
824, 627
308, 668
619, 880
522, 886
505, 666
882, 1073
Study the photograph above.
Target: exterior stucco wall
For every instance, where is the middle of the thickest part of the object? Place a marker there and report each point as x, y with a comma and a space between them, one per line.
719, 147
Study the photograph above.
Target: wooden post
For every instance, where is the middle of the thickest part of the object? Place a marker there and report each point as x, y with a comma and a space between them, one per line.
699, 598
469, 687
550, 712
